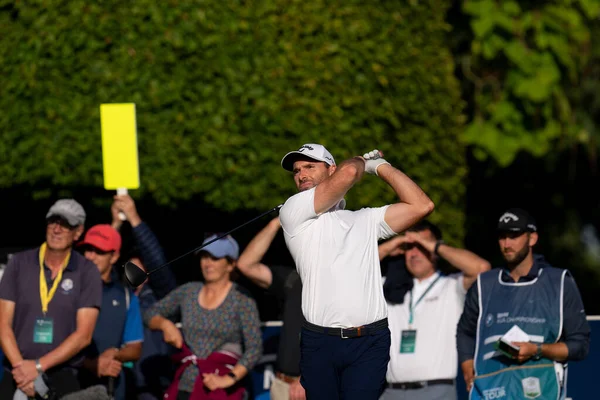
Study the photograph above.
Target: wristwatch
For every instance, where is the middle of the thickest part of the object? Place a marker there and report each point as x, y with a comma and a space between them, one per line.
437, 247
38, 366
538, 353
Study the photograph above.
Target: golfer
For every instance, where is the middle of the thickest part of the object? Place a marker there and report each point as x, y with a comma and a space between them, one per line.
345, 342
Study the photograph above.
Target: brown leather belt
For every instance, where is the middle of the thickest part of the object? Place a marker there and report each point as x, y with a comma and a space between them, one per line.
286, 378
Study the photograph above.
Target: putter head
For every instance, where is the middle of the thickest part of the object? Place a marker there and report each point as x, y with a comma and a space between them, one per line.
134, 274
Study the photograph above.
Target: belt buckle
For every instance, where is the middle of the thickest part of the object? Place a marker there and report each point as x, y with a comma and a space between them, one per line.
359, 332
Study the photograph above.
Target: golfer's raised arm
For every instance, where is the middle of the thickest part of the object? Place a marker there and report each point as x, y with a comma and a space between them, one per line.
333, 189
414, 204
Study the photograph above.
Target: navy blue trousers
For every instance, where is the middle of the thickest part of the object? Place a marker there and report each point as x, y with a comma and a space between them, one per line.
333, 368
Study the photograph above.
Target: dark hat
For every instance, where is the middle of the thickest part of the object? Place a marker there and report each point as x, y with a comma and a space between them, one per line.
516, 220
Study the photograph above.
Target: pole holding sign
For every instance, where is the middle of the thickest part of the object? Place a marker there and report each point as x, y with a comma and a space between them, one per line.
119, 148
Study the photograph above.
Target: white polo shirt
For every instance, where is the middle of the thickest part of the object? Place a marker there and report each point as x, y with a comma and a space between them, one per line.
337, 259
435, 320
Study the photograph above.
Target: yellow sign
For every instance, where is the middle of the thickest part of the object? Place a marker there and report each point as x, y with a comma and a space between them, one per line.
119, 146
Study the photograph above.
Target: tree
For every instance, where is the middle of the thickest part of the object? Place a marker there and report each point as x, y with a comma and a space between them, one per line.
522, 61
223, 90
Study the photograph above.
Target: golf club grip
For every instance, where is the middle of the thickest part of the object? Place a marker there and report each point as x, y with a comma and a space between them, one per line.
217, 238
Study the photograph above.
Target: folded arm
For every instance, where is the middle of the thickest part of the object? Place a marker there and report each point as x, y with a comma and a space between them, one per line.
75, 342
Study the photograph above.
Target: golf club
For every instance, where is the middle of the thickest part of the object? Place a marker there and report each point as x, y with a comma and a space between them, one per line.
136, 275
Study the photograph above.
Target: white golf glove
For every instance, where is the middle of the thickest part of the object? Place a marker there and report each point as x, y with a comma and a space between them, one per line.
373, 159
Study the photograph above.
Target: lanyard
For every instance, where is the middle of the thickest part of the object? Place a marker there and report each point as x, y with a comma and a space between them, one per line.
412, 307
45, 295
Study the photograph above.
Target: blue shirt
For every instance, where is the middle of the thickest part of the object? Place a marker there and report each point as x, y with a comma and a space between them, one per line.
118, 323
575, 332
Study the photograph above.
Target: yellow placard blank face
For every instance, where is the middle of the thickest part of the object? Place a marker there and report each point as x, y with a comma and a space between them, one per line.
119, 146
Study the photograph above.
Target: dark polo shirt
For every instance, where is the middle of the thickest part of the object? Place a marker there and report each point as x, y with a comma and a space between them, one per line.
80, 287
287, 286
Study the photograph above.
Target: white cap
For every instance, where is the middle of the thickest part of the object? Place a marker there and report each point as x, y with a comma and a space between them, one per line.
311, 150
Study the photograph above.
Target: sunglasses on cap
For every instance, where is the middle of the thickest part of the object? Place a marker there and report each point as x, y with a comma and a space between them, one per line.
85, 248
58, 220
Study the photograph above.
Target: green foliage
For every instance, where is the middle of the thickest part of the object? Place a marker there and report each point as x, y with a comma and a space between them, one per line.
585, 99
224, 89
523, 61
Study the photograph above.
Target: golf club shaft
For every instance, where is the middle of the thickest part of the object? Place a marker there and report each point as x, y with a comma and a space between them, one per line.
217, 238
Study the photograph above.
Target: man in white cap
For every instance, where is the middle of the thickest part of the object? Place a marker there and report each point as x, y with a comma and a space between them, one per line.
49, 302
345, 340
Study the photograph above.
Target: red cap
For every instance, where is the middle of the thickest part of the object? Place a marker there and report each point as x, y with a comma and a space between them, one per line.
103, 237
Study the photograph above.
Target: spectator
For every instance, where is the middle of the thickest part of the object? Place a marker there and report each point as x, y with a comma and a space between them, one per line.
423, 360
44, 326
119, 334
530, 295
213, 314
152, 372
149, 249
285, 283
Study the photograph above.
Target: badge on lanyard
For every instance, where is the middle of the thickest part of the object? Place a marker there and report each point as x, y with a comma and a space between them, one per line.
43, 331
408, 341
408, 338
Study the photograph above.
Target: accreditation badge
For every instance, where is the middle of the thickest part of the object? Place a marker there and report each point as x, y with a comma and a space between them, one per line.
408, 340
43, 331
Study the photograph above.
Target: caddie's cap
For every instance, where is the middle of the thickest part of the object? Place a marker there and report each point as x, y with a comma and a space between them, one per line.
516, 220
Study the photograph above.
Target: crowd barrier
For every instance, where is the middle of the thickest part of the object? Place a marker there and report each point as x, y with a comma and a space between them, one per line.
580, 384
581, 375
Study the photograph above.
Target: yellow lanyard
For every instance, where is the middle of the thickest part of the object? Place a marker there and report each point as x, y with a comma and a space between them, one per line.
45, 295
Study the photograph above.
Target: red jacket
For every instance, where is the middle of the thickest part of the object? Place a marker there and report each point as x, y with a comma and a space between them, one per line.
219, 362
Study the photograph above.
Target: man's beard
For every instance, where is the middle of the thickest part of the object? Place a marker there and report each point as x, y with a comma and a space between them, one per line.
517, 258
